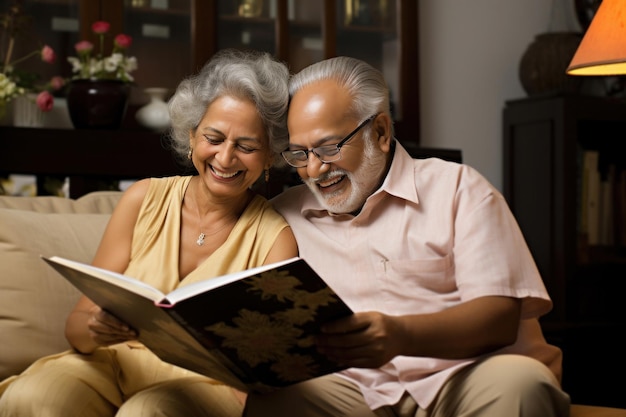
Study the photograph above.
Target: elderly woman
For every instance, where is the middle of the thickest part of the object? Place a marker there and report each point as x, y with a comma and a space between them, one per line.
171, 232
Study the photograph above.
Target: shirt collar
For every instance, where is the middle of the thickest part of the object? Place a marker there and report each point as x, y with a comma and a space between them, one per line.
400, 180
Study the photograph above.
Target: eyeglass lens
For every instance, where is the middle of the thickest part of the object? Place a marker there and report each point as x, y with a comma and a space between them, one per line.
328, 153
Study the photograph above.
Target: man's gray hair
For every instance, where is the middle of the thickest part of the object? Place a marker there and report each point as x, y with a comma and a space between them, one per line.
365, 84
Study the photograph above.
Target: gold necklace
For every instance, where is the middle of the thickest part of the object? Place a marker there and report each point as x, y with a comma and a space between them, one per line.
202, 235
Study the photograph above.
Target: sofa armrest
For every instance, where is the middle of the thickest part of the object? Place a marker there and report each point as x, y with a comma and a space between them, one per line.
577, 410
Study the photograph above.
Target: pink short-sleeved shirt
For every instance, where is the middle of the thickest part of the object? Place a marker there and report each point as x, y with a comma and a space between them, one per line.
434, 235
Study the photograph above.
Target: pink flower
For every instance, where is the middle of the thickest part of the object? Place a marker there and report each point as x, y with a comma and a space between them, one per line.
100, 27
123, 41
57, 82
45, 101
83, 47
48, 55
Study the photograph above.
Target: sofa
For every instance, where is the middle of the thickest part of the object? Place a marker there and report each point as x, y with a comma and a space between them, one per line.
34, 299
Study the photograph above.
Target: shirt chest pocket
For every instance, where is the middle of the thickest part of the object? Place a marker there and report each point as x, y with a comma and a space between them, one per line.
419, 282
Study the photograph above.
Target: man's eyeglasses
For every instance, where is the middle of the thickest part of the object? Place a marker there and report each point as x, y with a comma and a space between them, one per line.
328, 153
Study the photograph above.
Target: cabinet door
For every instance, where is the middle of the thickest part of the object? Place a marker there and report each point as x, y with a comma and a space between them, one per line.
306, 40
161, 32
50, 22
171, 38
384, 34
247, 24
367, 30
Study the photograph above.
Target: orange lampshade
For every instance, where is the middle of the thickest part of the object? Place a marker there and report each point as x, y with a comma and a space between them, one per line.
603, 48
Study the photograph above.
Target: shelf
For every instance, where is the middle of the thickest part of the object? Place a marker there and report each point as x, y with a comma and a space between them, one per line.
184, 13
91, 156
385, 30
247, 20
543, 139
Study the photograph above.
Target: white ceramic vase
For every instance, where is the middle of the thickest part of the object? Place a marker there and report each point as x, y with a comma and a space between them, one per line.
25, 111
155, 115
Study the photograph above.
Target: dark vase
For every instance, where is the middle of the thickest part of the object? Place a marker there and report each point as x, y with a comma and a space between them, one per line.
542, 67
97, 104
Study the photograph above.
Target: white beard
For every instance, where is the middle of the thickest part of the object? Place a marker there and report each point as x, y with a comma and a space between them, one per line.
363, 182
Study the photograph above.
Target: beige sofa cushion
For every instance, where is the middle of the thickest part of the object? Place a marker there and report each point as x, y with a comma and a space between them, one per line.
101, 202
34, 299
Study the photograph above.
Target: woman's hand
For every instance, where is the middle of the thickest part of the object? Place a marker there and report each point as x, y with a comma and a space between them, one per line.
105, 329
89, 327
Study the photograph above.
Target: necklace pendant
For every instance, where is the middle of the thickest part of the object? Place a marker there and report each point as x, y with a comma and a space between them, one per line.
200, 240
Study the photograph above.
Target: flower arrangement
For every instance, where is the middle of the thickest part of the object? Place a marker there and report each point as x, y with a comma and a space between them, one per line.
117, 66
13, 82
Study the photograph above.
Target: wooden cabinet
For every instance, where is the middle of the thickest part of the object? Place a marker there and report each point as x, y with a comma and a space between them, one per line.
174, 38
545, 139
382, 33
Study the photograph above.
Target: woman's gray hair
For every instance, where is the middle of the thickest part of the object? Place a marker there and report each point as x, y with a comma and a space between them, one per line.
365, 84
252, 75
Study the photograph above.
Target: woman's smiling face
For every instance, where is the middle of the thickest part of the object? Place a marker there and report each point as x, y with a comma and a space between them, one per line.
230, 146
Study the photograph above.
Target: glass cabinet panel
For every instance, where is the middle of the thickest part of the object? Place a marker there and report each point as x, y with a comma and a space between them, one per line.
161, 32
306, 43
41, 22
367, 29
247, 24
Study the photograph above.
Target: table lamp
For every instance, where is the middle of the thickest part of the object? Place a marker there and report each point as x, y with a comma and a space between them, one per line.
603, 48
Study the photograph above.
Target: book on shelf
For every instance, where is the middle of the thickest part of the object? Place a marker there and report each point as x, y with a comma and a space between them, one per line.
253, 330
619, 208
607, 206
592, 173
589, 202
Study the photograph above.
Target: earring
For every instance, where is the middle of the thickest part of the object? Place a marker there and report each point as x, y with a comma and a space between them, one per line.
189, 153
267, 175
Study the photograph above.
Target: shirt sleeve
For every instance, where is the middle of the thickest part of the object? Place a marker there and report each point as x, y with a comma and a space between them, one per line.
490, 253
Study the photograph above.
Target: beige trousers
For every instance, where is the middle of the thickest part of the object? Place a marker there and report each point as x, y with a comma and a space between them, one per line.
501, 386
124, 382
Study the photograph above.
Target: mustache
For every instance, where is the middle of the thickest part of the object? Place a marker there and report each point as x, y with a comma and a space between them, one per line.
327, 176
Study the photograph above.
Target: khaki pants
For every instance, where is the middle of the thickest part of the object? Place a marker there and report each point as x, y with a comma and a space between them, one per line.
501, 386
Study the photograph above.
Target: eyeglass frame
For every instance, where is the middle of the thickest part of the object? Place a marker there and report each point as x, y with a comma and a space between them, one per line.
338, 146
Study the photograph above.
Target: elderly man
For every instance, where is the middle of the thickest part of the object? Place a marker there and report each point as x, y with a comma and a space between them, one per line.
426, 252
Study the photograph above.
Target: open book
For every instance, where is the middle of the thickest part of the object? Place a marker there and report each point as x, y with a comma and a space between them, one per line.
252, 330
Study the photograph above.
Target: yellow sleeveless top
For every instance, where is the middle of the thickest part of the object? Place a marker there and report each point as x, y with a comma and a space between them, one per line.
156, 238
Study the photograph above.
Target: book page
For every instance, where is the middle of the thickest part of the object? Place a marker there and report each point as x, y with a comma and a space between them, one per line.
200, 287
122, 281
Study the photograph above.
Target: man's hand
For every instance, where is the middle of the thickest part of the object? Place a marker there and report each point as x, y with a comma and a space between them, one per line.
470, 329
363, 340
